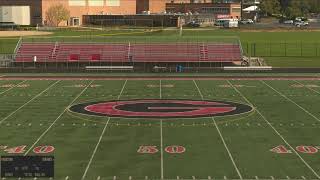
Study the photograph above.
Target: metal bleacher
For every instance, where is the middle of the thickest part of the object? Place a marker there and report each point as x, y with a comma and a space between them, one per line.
129, 52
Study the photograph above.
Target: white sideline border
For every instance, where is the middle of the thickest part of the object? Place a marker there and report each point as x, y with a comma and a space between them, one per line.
47, 130
100, 138
23, 105
222, 138
276, 131
2, 92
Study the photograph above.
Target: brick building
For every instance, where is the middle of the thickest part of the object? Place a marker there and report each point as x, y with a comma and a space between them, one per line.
78, 8
36, 9
224, 10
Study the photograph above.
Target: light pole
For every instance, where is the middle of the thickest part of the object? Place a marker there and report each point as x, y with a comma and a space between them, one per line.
241, 8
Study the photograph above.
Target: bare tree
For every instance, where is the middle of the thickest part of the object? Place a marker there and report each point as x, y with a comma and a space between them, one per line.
57, 14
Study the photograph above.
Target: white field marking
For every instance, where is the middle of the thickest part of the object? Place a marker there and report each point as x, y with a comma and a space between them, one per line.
256, 177
161, 149
272, 177
146, 178
100, 138
12, 87
67, 178
306, 111
307, 87
225, 177
161, 137
209, 177
5, 118
288, 177
130, 178
193, 177
98, 178
303, 177
178, 177
53, 123
277, 132
220, 134
114, 177
160, 90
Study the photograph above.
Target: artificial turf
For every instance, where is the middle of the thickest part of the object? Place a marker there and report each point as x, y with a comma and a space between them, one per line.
35, 112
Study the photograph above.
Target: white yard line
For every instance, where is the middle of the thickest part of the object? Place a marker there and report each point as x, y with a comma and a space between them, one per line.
221, 137
307, 87
12, 87
160, 90
100, 138
12, 113
161, 137
161, 150
46, 131
277, 132
306, 111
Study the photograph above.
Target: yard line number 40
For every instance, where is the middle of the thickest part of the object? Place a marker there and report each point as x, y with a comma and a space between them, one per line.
281, 149
44, 149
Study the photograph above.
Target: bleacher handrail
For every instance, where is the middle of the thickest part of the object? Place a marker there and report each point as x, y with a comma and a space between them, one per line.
17, 47
54, 50
241, 49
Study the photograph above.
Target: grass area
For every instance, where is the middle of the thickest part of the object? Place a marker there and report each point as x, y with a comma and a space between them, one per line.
307, 62
276, 47
233, 147
163, 75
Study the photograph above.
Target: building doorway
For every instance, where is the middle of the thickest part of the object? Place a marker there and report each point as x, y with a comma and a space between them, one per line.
75, 21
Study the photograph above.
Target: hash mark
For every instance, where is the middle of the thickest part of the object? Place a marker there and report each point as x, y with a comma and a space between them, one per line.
114, 177
178, 177
98, 178
130, 178
224, 177
272, 177
256, 177
146, 178
209, 177
303, 177
288, 177
193, 177
67, 178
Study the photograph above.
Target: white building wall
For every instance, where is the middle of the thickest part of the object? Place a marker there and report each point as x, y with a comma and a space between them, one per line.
17, 14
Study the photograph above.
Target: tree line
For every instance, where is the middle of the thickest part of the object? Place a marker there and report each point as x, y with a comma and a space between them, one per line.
290, 8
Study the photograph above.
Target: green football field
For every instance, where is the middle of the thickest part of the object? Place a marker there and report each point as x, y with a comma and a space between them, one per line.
278, 139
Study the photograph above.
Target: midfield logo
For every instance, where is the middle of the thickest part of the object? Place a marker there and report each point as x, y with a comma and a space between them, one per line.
159, 108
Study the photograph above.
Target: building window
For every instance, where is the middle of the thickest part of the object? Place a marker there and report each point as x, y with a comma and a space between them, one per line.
113, 2
96, 2
215, 10
236, 10
77, 2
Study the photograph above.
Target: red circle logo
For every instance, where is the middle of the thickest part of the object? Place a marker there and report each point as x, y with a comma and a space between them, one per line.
159, 108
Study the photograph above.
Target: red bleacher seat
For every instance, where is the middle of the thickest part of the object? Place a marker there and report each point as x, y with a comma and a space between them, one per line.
74, 57
133, 52
95, 57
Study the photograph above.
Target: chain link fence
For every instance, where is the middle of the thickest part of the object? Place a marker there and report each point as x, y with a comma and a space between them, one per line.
282, 49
